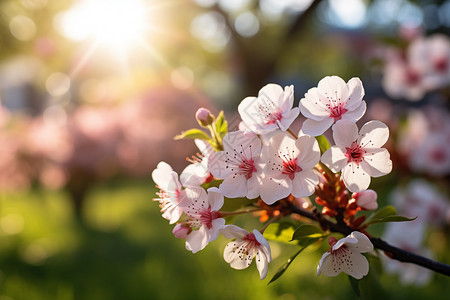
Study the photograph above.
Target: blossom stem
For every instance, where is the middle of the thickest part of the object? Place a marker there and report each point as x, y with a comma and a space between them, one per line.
293, 134
268, 223
392, 251
246, 211
216, 138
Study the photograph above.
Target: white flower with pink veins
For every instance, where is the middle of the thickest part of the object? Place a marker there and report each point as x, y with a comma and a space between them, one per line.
238, 165
331, 101
171, 193
272, 109
246, 246
289, 167
204, 218
359, 156
345, 256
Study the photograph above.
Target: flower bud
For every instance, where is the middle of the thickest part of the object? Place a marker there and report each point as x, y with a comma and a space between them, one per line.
180, 231
367, 200
204, 117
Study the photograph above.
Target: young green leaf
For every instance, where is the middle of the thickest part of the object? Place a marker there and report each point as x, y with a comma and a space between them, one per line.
324, 144
281, 232
307, 231
221, 124
193, 134
386, 214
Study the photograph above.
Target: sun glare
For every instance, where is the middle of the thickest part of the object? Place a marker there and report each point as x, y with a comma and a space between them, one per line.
118, 25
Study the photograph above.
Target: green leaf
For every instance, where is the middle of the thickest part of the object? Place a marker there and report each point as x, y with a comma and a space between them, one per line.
386, 214
355, 285
193, 134
307, 231
395, 218
221, 125
286, 265
324, 144
281, 232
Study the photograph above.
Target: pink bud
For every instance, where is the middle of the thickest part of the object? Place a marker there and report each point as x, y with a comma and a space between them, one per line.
180, 231
367, 200
204, 117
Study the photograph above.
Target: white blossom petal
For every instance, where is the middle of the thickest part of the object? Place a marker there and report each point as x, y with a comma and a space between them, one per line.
313, 105
345, 133
309, 152
333, 85
234, 232
162, 174
356, 114
288, 118
234, 186
316, 128
334, 158
355, 178
197, 240
215, 198
273, 189
373, 134
356, 93
377, 162
325, 266
304, 183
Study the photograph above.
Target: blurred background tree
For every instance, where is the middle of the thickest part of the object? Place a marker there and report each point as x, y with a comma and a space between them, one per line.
93, 92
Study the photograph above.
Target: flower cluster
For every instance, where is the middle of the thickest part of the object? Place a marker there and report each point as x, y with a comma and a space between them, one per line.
424, 66
271, 167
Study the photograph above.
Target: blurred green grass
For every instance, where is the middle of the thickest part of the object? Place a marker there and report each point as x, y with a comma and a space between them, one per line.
125, 250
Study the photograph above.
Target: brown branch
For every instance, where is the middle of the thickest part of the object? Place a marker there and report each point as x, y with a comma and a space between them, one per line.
391, 251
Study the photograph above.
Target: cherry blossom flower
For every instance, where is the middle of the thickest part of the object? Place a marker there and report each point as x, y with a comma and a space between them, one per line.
345, 256
171, 193
272, 109
401, 79
432, 156
204, 218
331, 101
238, 165
359, 156
289, 167
246, 246
432, 56
197, 172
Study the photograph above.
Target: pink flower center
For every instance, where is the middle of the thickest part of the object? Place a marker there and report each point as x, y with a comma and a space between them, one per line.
412, 77
251, 241
207, 216
355, 153
441, 65
290, 167
336, 112
438, 155
273, 117
247, 168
